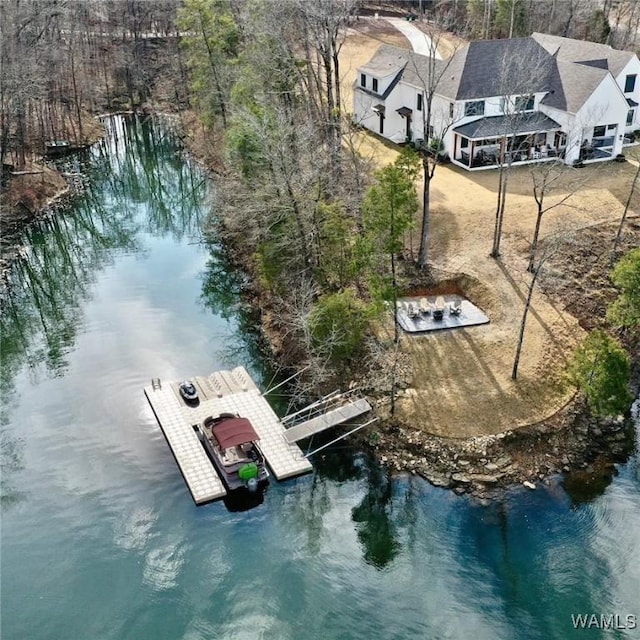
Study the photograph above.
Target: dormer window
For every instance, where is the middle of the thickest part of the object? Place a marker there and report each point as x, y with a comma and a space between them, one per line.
363, 80
374, 85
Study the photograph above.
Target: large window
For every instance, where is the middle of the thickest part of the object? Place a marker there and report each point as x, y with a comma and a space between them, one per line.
524, 103
363, 80
374, 85
419, 102
630, 83
475, 108
603, 130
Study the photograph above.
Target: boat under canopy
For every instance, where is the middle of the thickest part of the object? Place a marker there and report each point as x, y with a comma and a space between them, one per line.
232, 432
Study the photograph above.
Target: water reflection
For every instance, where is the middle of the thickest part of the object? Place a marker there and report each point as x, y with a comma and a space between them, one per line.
137, 162
137, 182
374, 517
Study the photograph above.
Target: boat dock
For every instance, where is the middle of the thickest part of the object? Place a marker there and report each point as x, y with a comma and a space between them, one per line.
235, 392
223, 391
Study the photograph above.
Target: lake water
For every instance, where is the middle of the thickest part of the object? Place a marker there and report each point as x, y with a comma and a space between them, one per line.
100, 537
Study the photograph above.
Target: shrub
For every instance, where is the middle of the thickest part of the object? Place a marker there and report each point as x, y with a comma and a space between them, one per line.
337, 325
601, 370
625, 311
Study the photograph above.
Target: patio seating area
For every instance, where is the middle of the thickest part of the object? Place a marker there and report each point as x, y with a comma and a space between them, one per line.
421, 315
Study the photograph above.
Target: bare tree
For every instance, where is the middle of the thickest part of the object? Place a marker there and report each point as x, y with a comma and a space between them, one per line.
550, 248
436, 121
624, 213
547, 177
518, 95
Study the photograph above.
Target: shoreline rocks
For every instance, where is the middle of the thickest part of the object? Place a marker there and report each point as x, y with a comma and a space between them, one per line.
485, 466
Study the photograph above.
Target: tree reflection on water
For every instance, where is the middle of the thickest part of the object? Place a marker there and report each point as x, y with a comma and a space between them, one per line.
137, 182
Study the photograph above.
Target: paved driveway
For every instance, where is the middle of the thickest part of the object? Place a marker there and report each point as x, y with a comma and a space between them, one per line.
420, 42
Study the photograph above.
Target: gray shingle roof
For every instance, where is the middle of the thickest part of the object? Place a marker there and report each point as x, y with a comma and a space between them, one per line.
570, 70
503, 67
386, 60
571, 85
582, 50
496, 126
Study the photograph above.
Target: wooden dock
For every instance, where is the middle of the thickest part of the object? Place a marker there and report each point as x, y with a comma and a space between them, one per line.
223, 391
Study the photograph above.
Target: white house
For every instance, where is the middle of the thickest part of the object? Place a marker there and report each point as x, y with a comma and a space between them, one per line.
521, 99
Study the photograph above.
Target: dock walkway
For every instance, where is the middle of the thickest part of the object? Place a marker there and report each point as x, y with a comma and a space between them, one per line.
330, 418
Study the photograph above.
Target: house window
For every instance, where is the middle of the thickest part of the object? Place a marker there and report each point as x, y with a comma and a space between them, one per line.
451, 109
630, 83
363, 80
560, 139
630, 117
600, 131
524, 103
374, 85
475, 108
419, 102
464, 143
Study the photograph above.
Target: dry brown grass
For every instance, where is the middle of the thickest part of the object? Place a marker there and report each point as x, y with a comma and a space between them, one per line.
461, 382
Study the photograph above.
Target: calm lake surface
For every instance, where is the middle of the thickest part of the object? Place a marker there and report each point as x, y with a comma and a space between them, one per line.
100, 537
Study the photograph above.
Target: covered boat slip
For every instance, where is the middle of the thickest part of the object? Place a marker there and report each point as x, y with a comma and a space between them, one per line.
221, 392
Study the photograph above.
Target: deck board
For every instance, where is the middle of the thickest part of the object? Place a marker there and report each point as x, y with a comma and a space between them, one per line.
198, 472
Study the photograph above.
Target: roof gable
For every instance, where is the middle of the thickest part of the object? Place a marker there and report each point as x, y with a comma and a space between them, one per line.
580, 50
571, 85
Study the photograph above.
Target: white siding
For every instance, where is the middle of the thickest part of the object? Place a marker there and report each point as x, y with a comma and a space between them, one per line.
632, 68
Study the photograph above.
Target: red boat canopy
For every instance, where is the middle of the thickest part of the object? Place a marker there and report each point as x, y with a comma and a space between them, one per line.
232, 432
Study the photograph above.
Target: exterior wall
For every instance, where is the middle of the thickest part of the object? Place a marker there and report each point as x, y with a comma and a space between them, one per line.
568, 123
383, 82
632, 67
363, 113
606, 105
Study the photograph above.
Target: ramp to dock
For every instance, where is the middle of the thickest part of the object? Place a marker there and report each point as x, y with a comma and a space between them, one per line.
330, 418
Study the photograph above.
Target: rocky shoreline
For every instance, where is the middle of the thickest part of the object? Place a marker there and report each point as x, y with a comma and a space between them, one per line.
484, 466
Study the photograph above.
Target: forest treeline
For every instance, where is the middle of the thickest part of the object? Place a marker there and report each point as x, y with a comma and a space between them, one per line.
63, 60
